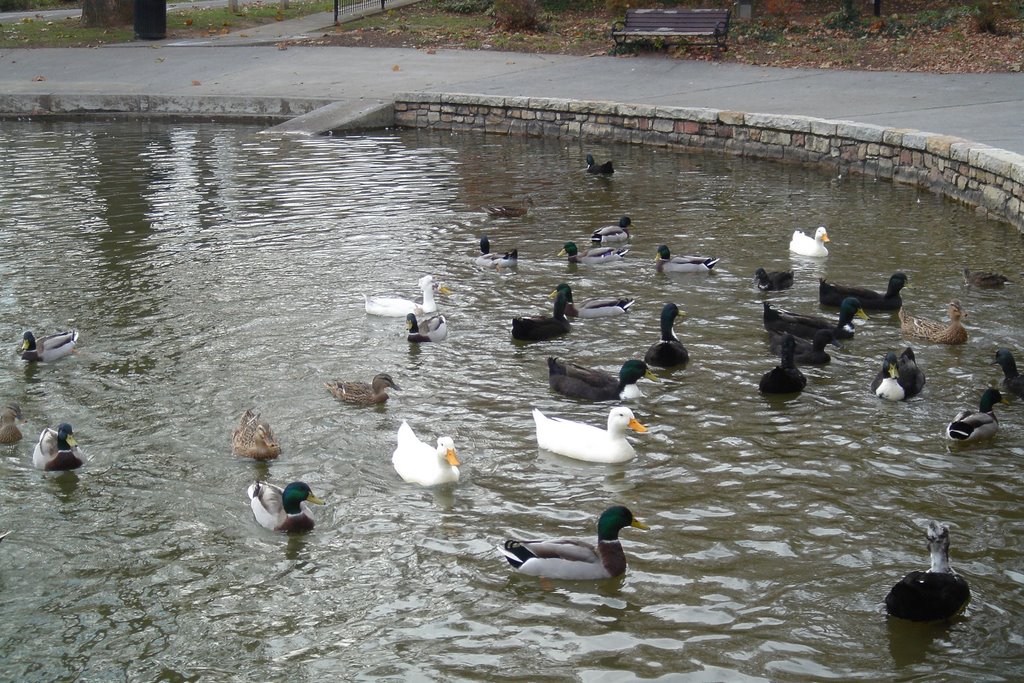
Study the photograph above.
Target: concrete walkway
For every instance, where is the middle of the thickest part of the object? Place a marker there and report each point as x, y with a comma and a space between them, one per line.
248, 71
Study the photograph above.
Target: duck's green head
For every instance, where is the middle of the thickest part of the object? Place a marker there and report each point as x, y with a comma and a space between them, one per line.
570, 249
28, 341
990, 398
65, 437
898, 281
296, 493
633, 370
850, 308
1005, 360
590, 160
669, 312
615, 519
411, 323
485, 245
625, 222
889, 366
563, 289
663, 254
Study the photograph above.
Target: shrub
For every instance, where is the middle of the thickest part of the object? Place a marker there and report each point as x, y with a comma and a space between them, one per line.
517, 15
13, 5
616, 8
783, 10
465, 6
988, 14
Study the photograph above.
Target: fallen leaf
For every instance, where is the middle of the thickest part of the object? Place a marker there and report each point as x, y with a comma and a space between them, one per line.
396, 68
39, 78
194, 82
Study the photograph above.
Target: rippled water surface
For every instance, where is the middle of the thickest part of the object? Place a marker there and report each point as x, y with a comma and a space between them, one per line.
211, 269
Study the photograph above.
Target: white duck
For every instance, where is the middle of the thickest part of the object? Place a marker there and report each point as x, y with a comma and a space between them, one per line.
809, 246
395, 307
585, 442
420, 463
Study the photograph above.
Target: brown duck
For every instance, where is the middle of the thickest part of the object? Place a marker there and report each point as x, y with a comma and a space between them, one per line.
933, 330
362, 393
253, 438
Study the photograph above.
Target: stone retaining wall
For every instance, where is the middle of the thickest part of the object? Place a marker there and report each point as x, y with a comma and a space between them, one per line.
987, 178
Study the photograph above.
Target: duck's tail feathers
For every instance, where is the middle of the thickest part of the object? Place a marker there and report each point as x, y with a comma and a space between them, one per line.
959, 431
516, 553
711, 262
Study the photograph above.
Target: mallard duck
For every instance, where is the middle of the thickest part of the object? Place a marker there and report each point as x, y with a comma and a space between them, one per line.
576, 560
774, 280
282, 509
665, 262
363, 393
9, 417
899, 378
805, 326
805, 352
803, 245
488, 260
432, 329
420, 463
593, 256
510, 211
985, 280
612, 234
394, 307
668, 352
939, 593
253, 438
577, 381
599, 307
585, 442
542, 327
832, 295
934, 331
599, 169
971, 426
48, 348
786, 378
1012, 380
57, 449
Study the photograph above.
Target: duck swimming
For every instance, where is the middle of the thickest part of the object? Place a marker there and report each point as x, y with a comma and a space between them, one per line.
665, 262
48, 348
572, 559
805, 352
585, 442
431, 329
831, 294
786, 378
9, 417
803, 245
971, 426
57, 450
668, 352
774, 280
284, 509
1012, 380
933, 330
800, 325
486, 259
510, 211
984, 280
899, 378
577, 381
594, 256
541, 328
599, 169
362, 393
598, 307
613, 234
932, 595
253, 438
420, 463
394, 307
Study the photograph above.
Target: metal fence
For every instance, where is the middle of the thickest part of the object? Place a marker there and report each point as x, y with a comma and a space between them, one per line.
355, 7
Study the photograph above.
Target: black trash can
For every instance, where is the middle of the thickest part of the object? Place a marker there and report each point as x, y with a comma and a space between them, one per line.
151, 19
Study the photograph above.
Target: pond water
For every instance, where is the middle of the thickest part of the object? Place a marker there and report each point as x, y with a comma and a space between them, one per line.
210, 269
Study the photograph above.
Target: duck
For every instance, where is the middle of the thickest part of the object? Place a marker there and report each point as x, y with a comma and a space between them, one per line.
577, 381
899, 378
666, 263
57, 449
487, 259
284, 509
984, 280
971, 426
362, 393
9, 417
598, 307
420, 463
933, 330
592, 256
542, 327
395, 307
933, 595
48, 348
573, 559
253, 438
770, 281
803, 245
668, 352
599, 169
800, 325
613, 234
585, 442
510, 211
431, 329
805, 352
830, 294
786, 378
1012, 380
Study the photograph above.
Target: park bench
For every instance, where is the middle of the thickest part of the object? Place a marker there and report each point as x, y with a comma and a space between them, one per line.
698, 26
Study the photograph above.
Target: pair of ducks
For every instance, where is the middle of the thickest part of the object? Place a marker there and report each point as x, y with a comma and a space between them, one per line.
56, 450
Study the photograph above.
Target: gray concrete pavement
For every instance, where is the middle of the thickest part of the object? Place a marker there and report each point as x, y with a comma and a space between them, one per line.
249, 66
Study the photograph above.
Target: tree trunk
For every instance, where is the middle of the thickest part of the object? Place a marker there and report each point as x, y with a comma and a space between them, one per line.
99, 13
